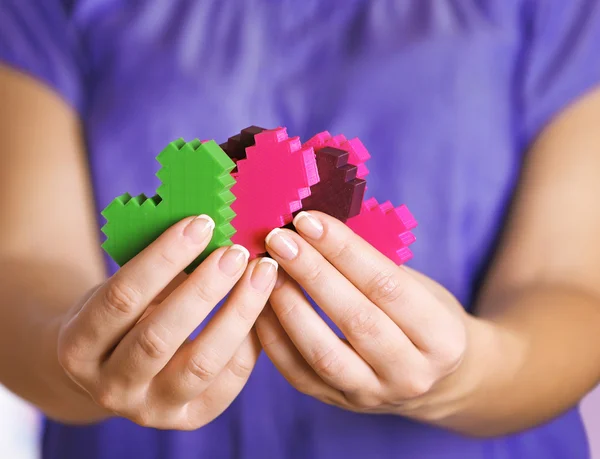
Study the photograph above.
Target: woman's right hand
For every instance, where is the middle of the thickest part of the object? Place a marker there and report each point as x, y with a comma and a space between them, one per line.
138, 363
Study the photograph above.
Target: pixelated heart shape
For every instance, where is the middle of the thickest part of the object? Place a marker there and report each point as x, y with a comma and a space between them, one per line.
271, 181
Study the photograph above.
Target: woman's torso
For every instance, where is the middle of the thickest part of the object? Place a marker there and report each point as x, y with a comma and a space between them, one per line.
429, 86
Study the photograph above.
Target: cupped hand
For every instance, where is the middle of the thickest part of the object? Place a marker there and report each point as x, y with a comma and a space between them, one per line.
404, 333
139, 363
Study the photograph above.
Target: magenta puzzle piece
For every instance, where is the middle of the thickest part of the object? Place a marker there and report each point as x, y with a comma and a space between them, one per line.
358, 153
275, 175
339, 193
386, 228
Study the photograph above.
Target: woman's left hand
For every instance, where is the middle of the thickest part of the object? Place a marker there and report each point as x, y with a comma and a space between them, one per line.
405, 333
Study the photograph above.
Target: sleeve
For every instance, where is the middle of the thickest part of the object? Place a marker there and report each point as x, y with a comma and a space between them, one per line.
561, 59
38, 38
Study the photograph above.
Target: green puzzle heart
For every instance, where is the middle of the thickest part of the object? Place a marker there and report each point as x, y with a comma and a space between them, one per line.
195, 179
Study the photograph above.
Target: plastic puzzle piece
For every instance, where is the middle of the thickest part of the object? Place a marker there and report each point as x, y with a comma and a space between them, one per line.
271, 181
358, 153
235, 147
195, 180
386, 228
339, 193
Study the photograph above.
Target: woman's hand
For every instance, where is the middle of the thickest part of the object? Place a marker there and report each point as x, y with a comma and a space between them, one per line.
138, 363
405, 334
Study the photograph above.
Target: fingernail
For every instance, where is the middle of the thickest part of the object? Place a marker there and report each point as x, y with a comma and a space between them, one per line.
199, 228
282, 244
264, 274
234, 260
308, 225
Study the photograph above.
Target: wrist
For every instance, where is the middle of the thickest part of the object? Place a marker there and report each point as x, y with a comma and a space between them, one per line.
492, 360
491, 363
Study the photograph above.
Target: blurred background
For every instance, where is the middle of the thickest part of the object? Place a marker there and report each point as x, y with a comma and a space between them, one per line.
20, 426
591, 411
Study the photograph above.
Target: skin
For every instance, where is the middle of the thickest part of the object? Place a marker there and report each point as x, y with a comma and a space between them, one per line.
531, 351
83, 348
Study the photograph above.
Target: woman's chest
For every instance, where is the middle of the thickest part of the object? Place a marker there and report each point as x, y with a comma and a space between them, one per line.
426, 85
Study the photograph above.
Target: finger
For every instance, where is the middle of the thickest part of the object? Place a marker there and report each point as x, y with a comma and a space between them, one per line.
176, 282
148, 347
158, 410
196, 365
228, 384
375, 337
291, 364
119, 303
332, 359
405, 300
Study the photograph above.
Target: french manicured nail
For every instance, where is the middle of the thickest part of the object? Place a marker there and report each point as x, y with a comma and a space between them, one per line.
264, 274
282, 244
234, 260
199, 228
308, 225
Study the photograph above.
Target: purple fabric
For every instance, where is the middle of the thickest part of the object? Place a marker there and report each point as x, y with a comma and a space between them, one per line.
447, 95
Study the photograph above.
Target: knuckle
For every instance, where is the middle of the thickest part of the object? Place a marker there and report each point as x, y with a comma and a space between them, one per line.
244, 312
365, 401
151, 343
313, 273
73, 357
417, 386
67, 357
286, 310
327, 363
456, 347
452, 356
203, 367
108, 397
204, 291
116, 397
302, 384
384, 287
409, 407
361, 323
143, 418
121, 299
268, 339
340, 252
166, 258
329, 400
240, 367
199, 412
449, 349
306, 382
